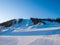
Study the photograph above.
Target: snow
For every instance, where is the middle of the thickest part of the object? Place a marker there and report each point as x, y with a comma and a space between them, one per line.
30, 40
26, 33
27, 26
41, 29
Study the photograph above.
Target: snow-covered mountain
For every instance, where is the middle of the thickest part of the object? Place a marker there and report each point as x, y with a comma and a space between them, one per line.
31, 26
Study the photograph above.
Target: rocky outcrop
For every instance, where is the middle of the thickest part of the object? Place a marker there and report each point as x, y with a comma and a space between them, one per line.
8, 23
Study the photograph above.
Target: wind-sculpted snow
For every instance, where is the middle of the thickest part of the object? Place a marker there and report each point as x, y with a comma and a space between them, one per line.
26, 26
28, 32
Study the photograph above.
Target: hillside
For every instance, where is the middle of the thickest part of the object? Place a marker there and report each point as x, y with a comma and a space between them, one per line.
32, 26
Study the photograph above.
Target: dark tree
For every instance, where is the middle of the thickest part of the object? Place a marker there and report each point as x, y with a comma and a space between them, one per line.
35, 20
51, 20
8, 23
58, 20
20, 20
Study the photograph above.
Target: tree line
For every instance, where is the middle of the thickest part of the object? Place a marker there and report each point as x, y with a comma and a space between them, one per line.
34, 20
10, 22
39, 20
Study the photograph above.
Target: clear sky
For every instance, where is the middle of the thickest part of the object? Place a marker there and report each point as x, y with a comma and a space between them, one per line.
10, 9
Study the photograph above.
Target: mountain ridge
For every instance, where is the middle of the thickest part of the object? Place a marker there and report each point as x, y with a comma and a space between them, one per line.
30, 25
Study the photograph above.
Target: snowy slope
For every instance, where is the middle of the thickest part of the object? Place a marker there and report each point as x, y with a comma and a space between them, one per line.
27, 26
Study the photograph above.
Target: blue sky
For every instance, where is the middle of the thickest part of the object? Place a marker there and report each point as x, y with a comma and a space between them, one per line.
10, 9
